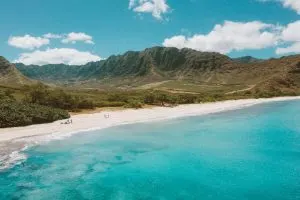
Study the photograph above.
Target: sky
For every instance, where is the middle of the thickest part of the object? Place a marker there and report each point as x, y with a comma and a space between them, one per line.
79, 31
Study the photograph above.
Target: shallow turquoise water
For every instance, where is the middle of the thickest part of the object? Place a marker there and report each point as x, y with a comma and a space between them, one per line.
252, 153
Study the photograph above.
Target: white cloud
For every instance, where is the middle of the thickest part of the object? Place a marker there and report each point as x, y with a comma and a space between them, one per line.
291, 32
52, 36
77, 37
156, 7
27, 42
294, 48
178, 41
290, 35
31, 43
57, 56
229, 37
292, 4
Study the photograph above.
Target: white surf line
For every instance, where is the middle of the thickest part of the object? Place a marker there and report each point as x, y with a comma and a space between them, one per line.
94, 121
38, 134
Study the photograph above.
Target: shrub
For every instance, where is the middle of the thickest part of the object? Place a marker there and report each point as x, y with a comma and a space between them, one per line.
57, 98
13, 113
187, 99
134, 104
117, 98
86, 104
110, 104
150, 99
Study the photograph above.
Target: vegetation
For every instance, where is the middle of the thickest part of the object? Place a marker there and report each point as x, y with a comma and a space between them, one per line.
37, 104
14, 113
177, 71
20, 106
134, 104
56, 98
9, 75
156, 76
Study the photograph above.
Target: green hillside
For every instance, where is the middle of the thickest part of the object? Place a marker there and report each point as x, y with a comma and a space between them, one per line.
150, 65
155, 76
175, 70
9, 75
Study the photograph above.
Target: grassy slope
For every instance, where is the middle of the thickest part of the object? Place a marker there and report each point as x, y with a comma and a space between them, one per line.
173, 70
9, 75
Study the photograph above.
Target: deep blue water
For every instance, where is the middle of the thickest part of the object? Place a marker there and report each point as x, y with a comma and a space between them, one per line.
253, 153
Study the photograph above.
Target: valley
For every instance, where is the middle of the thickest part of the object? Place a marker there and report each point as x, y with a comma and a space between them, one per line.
156, 76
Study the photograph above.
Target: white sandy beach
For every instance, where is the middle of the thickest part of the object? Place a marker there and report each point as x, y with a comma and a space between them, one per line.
14, 140
84, 122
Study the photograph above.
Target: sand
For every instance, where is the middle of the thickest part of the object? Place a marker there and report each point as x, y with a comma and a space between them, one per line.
14, 139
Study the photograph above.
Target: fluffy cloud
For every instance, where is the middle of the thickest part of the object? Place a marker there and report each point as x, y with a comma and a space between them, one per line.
57, 56
293, 48
293, 4
229, 37
156, 7
78, 37
28, 42
290, 35
31, 43
291, 32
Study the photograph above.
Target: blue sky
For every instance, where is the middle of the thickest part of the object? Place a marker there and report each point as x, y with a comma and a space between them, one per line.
95, 29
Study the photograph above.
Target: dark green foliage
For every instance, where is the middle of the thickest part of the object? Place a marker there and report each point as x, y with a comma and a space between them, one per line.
86, 104
57, 98
115, 97
134, 104
162, 98
110, 104
187, 99
13, 113
150, 99
21, 113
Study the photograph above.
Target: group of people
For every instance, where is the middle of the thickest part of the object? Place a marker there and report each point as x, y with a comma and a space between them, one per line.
69, 121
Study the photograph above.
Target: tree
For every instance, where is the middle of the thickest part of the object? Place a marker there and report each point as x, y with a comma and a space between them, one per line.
149, 99
162, 98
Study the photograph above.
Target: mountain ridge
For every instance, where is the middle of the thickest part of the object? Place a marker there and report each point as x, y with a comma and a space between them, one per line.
10, 75
159, 64
248, 59
156, 61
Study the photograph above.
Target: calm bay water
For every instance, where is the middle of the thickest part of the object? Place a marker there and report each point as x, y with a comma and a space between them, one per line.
252, 153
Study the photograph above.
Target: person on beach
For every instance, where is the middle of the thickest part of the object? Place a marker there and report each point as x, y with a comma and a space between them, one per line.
69, 121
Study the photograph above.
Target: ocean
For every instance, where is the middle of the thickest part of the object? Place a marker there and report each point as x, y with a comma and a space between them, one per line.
251, 153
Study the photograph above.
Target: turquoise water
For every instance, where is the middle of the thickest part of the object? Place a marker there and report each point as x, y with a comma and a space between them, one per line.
252, 153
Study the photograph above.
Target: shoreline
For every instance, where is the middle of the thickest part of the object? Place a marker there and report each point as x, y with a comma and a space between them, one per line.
13, 140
